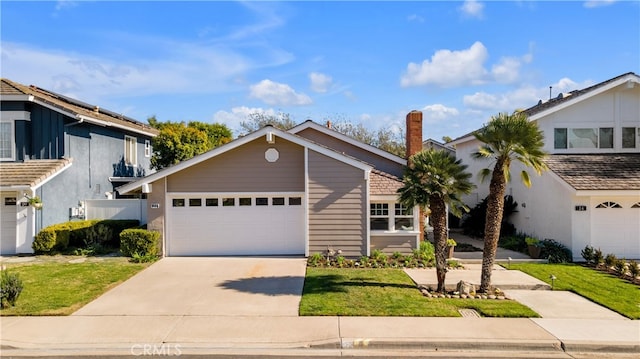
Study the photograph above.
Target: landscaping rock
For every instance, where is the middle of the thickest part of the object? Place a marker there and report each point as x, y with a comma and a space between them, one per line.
465, 287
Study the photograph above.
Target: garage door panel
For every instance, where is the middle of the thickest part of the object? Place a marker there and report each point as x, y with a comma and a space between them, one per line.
237, 230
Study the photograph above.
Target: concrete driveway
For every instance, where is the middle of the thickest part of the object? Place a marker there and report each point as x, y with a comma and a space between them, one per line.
212, 286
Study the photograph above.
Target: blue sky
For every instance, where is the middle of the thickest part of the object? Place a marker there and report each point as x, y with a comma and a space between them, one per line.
366, 61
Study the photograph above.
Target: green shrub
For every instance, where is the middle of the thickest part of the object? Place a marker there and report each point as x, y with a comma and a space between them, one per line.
44, 241
598, 258
556, 252
610, 260
634, 270
473, 223
588, 254
147, 258
532, 241
620, 266
315, 260
10, 288
514, 243
139, 241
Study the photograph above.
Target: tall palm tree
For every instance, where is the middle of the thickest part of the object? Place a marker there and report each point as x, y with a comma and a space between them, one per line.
505, 138
435, 179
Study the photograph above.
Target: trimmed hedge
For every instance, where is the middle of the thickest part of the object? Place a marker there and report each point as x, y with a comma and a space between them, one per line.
139, 242
81, 234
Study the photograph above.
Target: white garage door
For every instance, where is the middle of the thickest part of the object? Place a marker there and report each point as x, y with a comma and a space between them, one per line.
615, 227
219, 224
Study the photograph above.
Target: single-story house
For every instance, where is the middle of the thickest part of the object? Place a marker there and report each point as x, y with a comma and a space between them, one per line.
274, 192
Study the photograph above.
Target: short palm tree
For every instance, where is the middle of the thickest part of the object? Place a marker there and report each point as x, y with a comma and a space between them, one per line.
435, 179
505, 138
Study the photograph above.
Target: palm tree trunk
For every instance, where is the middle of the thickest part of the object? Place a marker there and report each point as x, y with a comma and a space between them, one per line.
438, 220
495, 205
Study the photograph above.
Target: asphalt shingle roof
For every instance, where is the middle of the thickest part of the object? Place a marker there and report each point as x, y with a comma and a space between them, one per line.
29, 173
8, 87
598, 171
383, 183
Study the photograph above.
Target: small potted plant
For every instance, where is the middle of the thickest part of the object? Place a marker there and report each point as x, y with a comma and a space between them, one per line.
35, 202
534, 246
451, 244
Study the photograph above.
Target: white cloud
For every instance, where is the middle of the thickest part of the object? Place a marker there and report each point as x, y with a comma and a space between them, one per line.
438, 112
237, 115
449, 68
320, 82
472, 8
598, 3
176, 69
507, 70
415, 18
274, 93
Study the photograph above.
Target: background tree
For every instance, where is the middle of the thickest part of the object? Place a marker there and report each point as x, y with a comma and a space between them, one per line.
435, 179
178, 141
505, 138
258, 120
385, 139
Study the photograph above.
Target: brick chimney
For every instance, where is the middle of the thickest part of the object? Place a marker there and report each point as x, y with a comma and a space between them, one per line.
414, 145
414, 133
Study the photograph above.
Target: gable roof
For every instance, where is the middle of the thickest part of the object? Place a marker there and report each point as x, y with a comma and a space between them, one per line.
563, 100
598, 171
13, 91
266, 131
30, 174
544, 108
342, 137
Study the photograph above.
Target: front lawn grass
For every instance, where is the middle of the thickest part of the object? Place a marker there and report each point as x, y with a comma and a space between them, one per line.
599, 287
62, 288
387, 292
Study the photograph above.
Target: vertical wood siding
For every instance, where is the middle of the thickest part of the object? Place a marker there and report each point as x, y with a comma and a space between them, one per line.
380, 163
337, 200
245, 169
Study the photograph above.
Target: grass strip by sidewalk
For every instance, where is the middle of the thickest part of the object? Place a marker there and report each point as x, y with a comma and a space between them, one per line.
387, 292
599, 287
62, 288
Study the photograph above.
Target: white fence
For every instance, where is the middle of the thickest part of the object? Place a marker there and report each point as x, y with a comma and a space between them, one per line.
116, 209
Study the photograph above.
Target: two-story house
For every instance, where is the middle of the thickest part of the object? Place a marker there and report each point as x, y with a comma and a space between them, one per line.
591, 193
62, 151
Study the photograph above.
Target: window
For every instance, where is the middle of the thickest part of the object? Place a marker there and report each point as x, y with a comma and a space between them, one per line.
195, 202
295, 201
211, 202
379, 216
560, 138
583, 138
403, 218
629, 137
245, 201
6, 141
608, 205
147, 148
262, 201
277, 201
130, 157
606, 137
228, 202
636, 205
178, 202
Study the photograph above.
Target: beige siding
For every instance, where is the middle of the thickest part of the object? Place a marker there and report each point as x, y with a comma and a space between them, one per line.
389, 244
378, 162
337, 200
245, 169
155, 216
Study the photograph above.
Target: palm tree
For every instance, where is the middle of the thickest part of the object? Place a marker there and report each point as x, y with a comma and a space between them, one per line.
435, 179
505, 138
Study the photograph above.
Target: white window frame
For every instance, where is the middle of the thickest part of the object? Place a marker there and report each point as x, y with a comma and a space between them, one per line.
597, 132
147, 148
134, 151
12, 141
391, 217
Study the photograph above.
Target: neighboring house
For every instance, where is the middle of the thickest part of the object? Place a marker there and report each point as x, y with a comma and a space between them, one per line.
271, 192
63, 151
433, 144
591, 193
